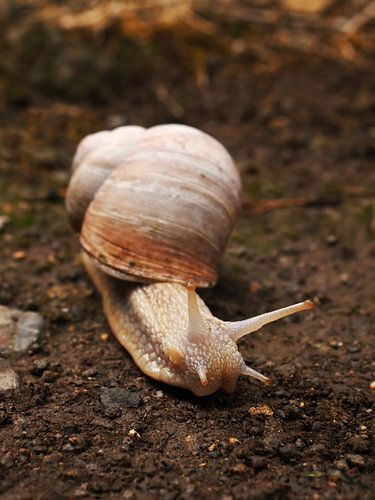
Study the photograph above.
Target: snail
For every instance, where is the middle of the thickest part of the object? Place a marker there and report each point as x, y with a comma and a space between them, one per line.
155, 208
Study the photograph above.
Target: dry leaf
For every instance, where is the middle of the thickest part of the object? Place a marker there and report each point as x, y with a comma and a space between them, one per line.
307, 6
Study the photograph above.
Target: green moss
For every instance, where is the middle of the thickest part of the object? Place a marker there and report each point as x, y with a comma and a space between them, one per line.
23, 221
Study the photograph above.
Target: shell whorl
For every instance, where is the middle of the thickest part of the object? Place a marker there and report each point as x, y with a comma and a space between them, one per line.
96, 156
156, 204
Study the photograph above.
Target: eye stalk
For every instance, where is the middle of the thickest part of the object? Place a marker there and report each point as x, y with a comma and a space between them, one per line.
215, 340
198, 330
202, 375
196, 327
239, 329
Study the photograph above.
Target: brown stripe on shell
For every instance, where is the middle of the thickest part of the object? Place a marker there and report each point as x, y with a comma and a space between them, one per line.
146, 257
166, 209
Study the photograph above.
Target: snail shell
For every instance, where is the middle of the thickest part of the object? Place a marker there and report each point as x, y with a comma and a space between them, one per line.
164, 202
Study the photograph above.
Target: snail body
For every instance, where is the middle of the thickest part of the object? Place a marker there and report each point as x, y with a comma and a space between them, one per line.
156, 208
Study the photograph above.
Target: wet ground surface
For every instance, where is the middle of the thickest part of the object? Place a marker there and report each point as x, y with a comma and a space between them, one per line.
84, 421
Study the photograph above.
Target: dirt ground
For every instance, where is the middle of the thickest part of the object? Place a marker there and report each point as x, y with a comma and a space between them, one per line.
302, 132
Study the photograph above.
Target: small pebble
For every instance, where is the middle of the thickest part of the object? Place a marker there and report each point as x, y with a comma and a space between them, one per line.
239, 468
233, 441
355, 460
372, 386
344, 277
134, 434
212, 447
341, 464
336, 344
116, 396
19, 255
19, 330
263, 410
39, 366
8, 379
332, 239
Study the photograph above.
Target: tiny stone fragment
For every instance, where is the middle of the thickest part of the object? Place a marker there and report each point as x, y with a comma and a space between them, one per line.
134, 434
233, 440
331, 239
355, 460
8, 378
19, 330
239, 468
341, 464
115, 396
19, 255
262, 410
212, 447
39, 366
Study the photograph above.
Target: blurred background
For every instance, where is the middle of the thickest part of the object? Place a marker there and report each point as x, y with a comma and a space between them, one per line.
287, 86
96, 51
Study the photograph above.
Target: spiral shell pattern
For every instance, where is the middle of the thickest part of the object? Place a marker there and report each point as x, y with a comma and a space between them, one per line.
155, 204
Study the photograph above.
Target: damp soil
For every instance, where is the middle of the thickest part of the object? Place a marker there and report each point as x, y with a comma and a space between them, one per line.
84, 421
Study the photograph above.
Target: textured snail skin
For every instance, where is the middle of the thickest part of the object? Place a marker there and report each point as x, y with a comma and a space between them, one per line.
152, 322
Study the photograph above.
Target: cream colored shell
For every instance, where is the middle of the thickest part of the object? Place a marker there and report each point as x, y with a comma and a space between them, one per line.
97, 155
168, 201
